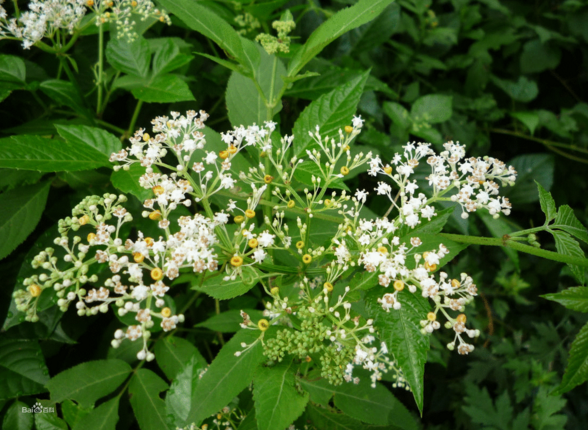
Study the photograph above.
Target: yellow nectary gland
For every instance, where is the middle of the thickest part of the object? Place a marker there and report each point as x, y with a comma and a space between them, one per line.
34, 290
155, 215
398, 285
344, 170
158, 190
263, 324
430, 267
239, 219
328, 286
388, 170
149, 241
455, 283
348, 129
157, 274
83, 220
90, 3
431, 316
383, 250
291, 204
328, 202
306, 258
138, 257
275, 291
232, 149
252, 243
146, 137
299, 244
166, 312
268, 179
236, 261
223, 154
91, 237
461, 318
249, 213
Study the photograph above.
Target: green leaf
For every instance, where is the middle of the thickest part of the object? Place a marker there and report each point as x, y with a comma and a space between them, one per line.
148, 406
164, 89
577, 370
132, 58
567, 221
318, 388
12, 72
24, 358
128, 181
229, 321
400, 330
566, 245
15, 419
244, 103
330, 112
531, 168
373, 405
343, 21
80, 135
178, 399
328, 419
73, 413
548, 205
397, 114
529, 118
480, 408
13, 384
48, 155
201, 19
522, 90
104, 417
432, 108
49, 422
574, 298
220, 289
88, 382
64, 94
277, 400
537, 57
227, 375
172, 353
168, 58
545, 408
20, 212
376, 32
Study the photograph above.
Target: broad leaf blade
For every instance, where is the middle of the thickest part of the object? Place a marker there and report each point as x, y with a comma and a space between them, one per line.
172, 353
20, 212
227, 375
149, 408
220, 289
98, 139
88, 382
547, 204
577, 370
567, 221
132, 58
164, 89
104, 417
15, 419
567, 245
277, 401
574, 298
182, 392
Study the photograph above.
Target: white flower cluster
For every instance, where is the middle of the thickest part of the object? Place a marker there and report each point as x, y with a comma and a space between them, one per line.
43, 19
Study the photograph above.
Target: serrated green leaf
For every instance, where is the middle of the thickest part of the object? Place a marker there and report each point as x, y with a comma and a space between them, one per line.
329, 419
574, 298
229, 321
567, 221
277, 401
104, 417
373, 405
49, 422
330, 112
168, 58
244, 103
148, 406
318, 388
164, 89
547, 204
12, 72
545, 408
400, 330
64, 94
128, 181
172, 353
523, 90
227, 375
432, 108
577, 370
480, 408
88, 382
376, 32
132, 58
48, 155
537, 57
20, 212
98, 139
397, 114
529, 119
566, 245
343, 21
182, 391
13, 385
25, 358
201, 19
15, 419
73, 413
220, 289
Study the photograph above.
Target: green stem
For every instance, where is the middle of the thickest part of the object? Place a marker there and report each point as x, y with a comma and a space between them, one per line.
491, 241
110, 126
548, 143
108, 93
100, 67
134, 118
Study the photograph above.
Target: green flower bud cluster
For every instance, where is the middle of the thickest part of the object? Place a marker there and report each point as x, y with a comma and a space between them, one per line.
281, 43
247, 22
